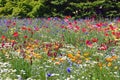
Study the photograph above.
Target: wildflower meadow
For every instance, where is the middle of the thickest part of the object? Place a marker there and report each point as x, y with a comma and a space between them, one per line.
59, 49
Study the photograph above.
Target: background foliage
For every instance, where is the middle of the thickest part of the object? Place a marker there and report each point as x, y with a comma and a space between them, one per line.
60, 8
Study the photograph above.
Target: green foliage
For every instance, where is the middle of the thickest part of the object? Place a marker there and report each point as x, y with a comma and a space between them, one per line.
60, 8
23, 68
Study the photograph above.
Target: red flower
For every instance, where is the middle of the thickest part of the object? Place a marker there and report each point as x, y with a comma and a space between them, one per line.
49, 19
117, 35
15, 34
29, 29
25, 37
106, 34
49, 53
14, 23
3, 44
67, 17
99, 24
112, 27
77, 27
84, 30
62, 26
3, 37
103, 47
89, 43
23, 28
113, 33
94, 40
118, 20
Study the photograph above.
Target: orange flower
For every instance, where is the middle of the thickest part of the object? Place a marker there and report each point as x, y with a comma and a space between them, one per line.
70, 55
12, 41
114, 57
79, 61
100, 64
73, 59
78, 52
57, 63
109, 59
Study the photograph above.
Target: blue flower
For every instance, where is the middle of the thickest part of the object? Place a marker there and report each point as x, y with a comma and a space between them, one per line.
49, 75
68, 70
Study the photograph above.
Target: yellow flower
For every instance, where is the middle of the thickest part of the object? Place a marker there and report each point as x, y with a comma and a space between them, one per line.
61, 59
52, 59
3, 51
77, 55
87, 59
109, 64
27, 52
73, 59
116, 67
100, 68
86, 54
18, 50
36, 55
28, 57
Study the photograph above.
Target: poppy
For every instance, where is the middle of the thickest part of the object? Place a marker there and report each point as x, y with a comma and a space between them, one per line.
15, 34
3, 37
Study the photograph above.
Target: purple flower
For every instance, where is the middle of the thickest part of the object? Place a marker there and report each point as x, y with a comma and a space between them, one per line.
68, 70
49, 75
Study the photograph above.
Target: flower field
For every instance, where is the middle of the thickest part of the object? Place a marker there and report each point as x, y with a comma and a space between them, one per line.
59, 49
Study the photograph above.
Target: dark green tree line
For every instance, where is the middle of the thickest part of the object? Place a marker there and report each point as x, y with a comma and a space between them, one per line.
60, 8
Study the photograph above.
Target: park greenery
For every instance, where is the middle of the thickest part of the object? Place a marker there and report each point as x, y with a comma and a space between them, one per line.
60, 8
